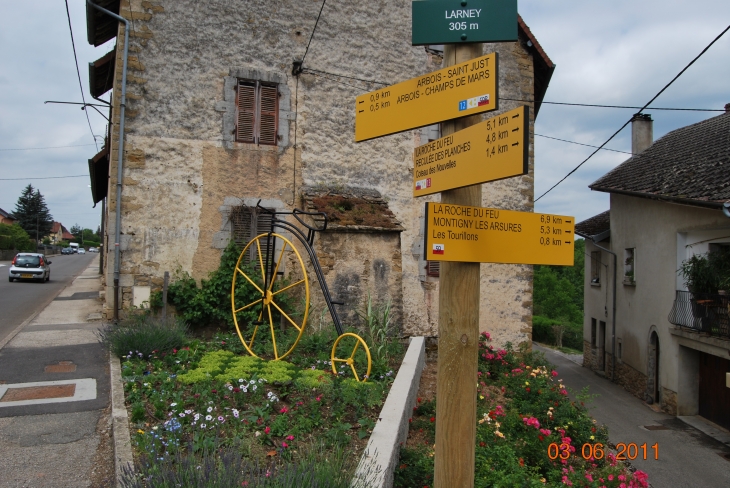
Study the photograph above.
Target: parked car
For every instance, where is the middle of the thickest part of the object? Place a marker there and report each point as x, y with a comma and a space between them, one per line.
30, 266
82, 250
67, 250
93, 249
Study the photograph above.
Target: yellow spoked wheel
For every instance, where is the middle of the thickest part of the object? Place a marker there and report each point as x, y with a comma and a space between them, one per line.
269, 324
351, 350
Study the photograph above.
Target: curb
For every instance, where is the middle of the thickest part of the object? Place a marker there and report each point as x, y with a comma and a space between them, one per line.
120, 421
377, 464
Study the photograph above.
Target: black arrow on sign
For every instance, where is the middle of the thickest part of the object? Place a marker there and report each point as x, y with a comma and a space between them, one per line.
516, 144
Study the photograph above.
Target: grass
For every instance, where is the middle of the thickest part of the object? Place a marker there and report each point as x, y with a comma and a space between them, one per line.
142, 334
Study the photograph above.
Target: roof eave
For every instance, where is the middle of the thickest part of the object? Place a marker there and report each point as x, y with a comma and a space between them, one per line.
665, 198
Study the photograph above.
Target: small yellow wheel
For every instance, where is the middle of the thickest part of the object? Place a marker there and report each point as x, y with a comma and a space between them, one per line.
274, 303
351, 350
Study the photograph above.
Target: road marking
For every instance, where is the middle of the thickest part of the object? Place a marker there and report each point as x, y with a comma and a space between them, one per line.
85, 390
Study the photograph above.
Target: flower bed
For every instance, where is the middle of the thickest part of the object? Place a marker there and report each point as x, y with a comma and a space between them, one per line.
207, 405
529, 432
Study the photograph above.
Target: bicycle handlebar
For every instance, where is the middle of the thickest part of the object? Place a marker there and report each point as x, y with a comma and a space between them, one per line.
296, 214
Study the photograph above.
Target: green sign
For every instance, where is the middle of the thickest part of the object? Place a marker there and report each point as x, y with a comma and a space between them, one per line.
463, 21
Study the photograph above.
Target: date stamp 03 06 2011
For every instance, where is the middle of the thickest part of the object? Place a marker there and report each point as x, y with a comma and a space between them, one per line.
595, 451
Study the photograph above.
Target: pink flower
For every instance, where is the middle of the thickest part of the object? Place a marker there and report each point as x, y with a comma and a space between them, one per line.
621, 477
610, 477
290, 437
566, 481
589, 477
284, 445
267, 430
284, 410
642, 478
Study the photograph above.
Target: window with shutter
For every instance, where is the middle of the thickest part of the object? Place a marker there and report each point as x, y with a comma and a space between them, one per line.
247, 223
257, 117
433, 268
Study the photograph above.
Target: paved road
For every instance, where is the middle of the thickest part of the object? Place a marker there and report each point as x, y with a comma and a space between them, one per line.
20, 300
55, 426
687, 457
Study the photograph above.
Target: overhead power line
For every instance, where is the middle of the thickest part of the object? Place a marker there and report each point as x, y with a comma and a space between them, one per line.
581, 144
316, 23
641, 110
47, 147
44, 177
78, 73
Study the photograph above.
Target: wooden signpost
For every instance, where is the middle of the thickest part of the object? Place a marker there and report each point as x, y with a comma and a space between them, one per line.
460, 233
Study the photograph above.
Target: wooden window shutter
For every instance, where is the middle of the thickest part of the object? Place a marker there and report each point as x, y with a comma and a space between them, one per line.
269, 114
246, 123
433, 268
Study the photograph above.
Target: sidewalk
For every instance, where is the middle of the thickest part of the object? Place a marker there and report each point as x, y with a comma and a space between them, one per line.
55, 423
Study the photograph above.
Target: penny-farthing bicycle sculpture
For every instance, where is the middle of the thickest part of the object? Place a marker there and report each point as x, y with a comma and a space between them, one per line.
281, 303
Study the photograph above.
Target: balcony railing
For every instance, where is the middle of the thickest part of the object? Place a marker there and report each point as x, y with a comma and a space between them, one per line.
702, 312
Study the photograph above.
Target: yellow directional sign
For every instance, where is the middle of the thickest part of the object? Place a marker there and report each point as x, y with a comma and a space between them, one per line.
490, 235
491, 150
464, 89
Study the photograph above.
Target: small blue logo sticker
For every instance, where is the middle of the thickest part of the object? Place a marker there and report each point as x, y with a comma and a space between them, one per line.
462, 105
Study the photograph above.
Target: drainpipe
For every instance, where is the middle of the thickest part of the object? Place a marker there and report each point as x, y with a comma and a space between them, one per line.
120, 152
613, 313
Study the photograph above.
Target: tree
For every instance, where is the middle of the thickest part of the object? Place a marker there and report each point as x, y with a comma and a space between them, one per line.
32, 214
76, 230
558, 290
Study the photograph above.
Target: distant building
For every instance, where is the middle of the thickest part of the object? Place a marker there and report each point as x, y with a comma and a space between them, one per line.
218, 117
7, 218
60, 233
664, 344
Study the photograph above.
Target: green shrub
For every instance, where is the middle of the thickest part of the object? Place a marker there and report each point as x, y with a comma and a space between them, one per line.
210, 304
143, 334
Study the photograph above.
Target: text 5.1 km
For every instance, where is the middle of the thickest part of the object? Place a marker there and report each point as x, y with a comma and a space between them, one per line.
464, 89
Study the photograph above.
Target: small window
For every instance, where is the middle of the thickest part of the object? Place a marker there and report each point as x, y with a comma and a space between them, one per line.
596, 268
593, 333
257, 112
630, 266
433, 268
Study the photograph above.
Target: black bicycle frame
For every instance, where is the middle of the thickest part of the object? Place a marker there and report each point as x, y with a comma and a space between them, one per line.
307, 241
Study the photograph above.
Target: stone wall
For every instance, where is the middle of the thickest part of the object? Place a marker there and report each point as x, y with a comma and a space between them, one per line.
181, 164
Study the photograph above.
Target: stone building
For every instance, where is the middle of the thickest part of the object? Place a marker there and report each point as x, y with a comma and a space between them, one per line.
643, 328
218, 116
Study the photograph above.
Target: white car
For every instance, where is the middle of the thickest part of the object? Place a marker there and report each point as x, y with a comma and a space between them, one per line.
82, 250
30, 266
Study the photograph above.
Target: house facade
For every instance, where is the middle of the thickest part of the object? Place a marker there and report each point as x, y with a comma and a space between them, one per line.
6, 217
642, 327
219, 116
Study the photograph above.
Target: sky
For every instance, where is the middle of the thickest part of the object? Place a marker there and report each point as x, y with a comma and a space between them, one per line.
611, 53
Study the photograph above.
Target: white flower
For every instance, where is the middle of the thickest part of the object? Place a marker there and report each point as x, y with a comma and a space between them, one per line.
240, 380
173, 404
188, 412
254, 387
208, 418
210, 409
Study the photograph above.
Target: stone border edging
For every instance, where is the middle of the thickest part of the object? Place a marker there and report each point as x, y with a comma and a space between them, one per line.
377, 464
120, 420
